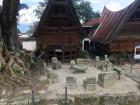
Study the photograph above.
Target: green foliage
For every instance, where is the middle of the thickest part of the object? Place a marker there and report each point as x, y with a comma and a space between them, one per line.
83, 9
116, 58
124, 55
96, 14
84, 54
41, 7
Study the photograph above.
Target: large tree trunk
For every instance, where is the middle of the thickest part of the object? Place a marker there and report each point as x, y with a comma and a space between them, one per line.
8, 22
0, 37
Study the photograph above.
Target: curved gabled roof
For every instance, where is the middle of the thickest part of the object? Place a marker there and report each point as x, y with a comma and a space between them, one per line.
111, 22
45, 16
92, 22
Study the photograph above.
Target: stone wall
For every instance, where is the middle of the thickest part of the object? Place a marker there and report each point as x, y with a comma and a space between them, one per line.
125, 99
129, 99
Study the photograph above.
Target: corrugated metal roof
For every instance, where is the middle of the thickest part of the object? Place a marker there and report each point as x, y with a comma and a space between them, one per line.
111, 23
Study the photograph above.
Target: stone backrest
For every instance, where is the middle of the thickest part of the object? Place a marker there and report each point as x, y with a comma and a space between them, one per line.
71, 82
72, 62
106, 56
56, 64
91, 80
104, 65
54, 60
82, 60
90, 83
97, 62
97, 58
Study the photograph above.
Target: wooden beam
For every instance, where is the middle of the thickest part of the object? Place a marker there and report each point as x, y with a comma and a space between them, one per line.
57, 28
64, 3
46, 32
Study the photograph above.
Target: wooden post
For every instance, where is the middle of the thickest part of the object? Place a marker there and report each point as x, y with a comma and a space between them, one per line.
45, 69
131, 65
66, 95
33, 97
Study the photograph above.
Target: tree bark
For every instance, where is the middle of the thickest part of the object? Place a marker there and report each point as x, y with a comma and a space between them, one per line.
8, 22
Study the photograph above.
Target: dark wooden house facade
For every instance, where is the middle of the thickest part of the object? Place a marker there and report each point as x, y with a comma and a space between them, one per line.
59, 31
90, 26
129, 36
119, 30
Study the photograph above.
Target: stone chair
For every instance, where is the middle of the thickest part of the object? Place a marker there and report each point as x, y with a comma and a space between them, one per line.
107, 79
56, 64
97, 62
71, 82
89, 84
82, 60
77, 67
104, 65
120, 73
53, 77
108, 64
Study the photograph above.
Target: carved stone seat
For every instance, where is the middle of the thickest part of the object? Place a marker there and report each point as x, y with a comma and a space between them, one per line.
71, 82
107, 79
120, 73
53, 77
56, 64
82, 60
90, 83
104, 65
77, 67
97, 62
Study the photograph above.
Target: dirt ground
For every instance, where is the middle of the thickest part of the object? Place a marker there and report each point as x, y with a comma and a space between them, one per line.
135, 69
56, 89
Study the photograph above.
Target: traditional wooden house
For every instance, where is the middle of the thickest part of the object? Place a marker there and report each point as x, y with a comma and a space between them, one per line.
119, 31
89, 28
59, 31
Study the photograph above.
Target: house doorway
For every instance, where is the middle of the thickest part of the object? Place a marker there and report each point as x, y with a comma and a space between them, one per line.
86, 44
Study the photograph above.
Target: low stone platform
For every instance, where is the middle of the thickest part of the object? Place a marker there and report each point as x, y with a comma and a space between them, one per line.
118, 87
121, 92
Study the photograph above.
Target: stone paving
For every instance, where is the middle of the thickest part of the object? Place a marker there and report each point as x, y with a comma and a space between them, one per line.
56, 89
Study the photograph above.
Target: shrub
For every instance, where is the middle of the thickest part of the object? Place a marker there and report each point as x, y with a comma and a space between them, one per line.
84, 54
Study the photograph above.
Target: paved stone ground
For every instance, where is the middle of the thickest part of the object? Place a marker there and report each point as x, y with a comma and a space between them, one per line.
121, 87
55, 90
135, 74
135, 69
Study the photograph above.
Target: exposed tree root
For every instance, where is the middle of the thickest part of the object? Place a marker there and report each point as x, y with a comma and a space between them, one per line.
15, 72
